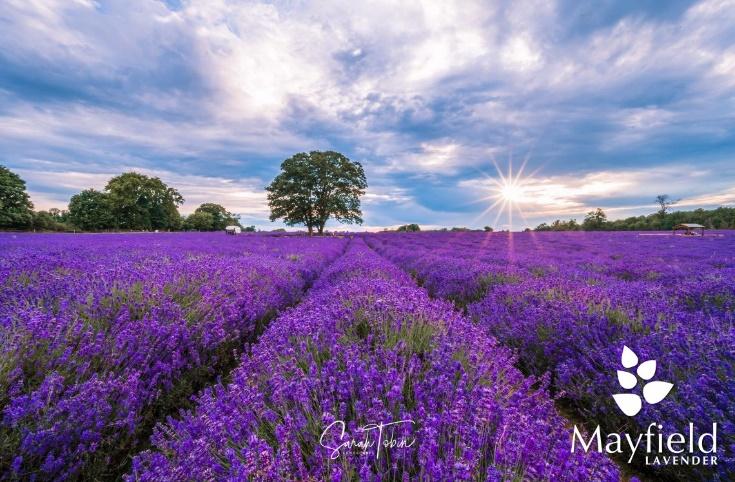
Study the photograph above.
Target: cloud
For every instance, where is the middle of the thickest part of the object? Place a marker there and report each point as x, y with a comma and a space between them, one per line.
518, 54
426, 94
713, 199
621, 192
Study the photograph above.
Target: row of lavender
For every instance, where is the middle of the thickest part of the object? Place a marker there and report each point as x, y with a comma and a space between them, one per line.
103, 335
364, 347
567, 303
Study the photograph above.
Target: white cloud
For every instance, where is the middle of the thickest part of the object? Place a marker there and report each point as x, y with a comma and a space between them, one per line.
518, 54
98, 129
615, 191
441, 157
434, 157
714, 199
385, 194
423, 90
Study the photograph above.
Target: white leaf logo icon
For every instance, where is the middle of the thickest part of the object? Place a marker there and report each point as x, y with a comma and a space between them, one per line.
629, 403
629, 358
647, 369
654, 392
627, 380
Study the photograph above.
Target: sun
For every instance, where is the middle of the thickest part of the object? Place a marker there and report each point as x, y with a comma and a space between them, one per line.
511, 192
507, 192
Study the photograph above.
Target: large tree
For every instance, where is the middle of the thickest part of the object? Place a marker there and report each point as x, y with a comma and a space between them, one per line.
143, 202
16, 208
313, 187
91, 210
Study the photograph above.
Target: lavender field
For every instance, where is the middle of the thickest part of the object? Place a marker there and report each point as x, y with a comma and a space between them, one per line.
200, 356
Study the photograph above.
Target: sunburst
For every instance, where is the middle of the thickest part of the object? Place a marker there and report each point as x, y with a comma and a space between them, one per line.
508, 191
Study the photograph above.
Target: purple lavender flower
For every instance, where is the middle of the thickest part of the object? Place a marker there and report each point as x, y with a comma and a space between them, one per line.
366, 346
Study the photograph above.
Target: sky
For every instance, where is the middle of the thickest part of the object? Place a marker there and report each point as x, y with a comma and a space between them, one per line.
604, 104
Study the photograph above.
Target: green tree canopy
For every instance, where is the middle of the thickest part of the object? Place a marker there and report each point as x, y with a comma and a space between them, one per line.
313, 187
409, 228
720, 218
221, 218
58, 214
49, 221
559, 225
200, 221
595, 220
142, 202
90, 210
16, 208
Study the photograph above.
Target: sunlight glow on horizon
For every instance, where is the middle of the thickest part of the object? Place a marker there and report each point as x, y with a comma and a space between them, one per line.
507, 191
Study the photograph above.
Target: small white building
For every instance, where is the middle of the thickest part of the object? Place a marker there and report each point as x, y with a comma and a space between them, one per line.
233, 230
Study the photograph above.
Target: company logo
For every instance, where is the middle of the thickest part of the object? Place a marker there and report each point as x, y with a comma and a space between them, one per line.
653, 391
690, 446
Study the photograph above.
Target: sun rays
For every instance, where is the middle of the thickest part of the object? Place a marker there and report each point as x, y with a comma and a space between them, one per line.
506, 192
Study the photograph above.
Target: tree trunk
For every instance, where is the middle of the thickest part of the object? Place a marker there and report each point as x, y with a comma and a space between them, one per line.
311, 229
321, 228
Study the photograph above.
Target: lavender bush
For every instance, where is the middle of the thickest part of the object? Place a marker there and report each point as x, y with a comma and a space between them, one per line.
568, 302
367, 346
102, 335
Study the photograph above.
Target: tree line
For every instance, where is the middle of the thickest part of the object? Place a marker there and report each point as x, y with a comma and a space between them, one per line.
662, 220
129, 202
310, 189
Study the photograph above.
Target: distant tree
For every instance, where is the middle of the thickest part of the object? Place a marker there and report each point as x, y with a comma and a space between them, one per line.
58, 214
52, 220
221, 218
313, 187
249, 229
199, 221
488, 229
46, 221
43, 221
595, 220
409, 228
664, 202
16, 208
571, 225
90, 210
278, 230
559, 225
142, 202
720, 218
